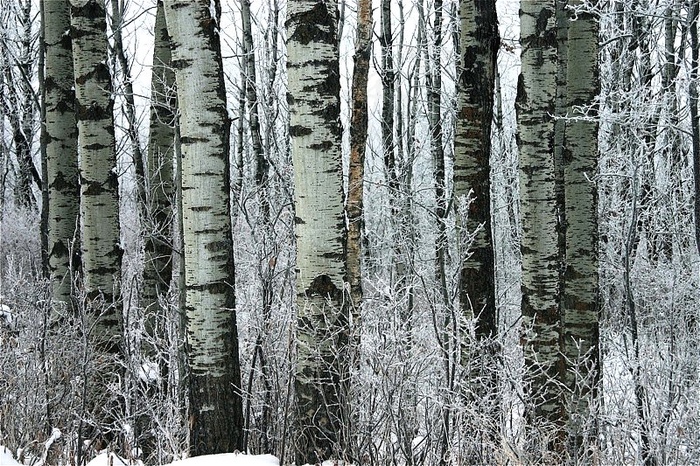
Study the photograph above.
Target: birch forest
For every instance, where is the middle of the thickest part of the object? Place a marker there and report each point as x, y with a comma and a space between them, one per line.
349, 232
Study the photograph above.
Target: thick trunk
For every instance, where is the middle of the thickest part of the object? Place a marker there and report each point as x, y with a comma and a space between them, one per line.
314, 99
99, 197
580, 309
158, 176
61, 141
99, 210
216, 416
540, 259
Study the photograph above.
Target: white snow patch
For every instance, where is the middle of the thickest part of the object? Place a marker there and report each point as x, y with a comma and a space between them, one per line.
149, 373
7, 315
111, 459
6, 458
228, 459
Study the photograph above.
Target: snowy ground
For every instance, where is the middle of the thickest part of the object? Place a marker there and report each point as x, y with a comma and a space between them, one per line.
110, 459
224, 459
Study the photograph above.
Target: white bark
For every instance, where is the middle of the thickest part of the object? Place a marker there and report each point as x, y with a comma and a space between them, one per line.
99, 198
314, 96
580, 305
208, 246
61, 149
540, 260
159, 185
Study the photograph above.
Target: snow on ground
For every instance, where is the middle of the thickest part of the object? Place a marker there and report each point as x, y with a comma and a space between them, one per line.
111, 459
223, 459
6, 458
229, 459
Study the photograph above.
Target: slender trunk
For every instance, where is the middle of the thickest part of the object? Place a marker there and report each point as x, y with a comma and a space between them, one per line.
61, 142
478, 45
354, 207
694, 122
314, 98
261, 166
156, 191
358, 144
159, 190
580, 308
216, 412
132, 129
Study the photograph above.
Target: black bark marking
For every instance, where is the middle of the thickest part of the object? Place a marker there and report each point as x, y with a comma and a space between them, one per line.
323, 286
315, 25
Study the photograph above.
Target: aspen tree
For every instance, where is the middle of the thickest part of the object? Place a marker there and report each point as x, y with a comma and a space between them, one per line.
61, 140
216, 413
314, 99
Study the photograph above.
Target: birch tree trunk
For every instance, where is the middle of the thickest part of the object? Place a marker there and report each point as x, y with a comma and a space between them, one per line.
216, 416
99, 195
479, 42
535, 103
159, 186
314, 99
580, 309
61, 141
261, 163
478, 46
99, 214
18, 101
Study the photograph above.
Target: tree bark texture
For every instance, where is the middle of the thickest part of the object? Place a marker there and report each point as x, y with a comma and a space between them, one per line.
478, 46
158, 176
18, 101
99, 191
261, 163
216, 415
61, 141
314, 100
479, 42
101, 250
358, 145
535, 105
580, 308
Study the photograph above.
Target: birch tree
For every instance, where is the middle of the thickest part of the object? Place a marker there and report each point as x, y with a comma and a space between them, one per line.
216, 419
61, 140
99, 211
580, 311
540, 256
159, 185
18, 101
99, 198
478, 46
314, 98
479, 41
